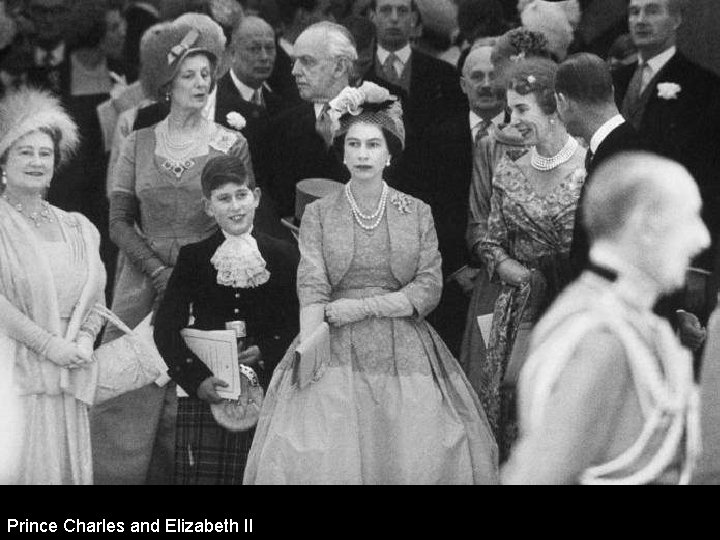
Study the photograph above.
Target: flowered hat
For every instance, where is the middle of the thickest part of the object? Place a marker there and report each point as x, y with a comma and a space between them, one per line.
28, 109
168, 44
368, 104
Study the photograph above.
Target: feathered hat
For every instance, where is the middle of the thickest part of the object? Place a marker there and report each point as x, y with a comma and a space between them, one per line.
28, 109
371, 104
167, 45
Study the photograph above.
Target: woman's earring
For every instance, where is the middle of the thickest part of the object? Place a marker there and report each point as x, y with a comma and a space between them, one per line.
389, 162
3, 179
167, 97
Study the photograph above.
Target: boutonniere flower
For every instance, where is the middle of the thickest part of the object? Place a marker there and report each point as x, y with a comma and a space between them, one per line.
236, 120
668, 90
402, 202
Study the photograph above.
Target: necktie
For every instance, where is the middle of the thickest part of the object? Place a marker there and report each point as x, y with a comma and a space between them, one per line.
633, 97
389, 70
480, 130
323, 125
257, 98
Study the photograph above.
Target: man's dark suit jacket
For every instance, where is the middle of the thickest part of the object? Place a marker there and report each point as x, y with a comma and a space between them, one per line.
622, 138
434, 95
270, 311
686, 129
443, 181
256, 132
296, 152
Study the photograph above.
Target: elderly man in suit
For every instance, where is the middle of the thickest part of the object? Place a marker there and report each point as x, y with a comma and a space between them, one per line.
430, 86
445, 173
294, 17
586, 105
607, 393
244, 89
673, 103
300, 142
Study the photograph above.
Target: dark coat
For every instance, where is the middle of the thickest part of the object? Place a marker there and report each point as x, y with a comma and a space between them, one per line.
686, 129
443, 181
270, 310
622, 138
434, 95
295, 152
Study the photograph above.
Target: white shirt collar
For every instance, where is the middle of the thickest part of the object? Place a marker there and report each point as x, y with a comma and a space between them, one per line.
403, 54
606, 129
287, 46
148, 7
658, 62
246, 92
57, 55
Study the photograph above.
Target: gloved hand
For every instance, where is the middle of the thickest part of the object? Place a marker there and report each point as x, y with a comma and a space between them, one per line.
345, 311
388, 305
65, 353
86, 346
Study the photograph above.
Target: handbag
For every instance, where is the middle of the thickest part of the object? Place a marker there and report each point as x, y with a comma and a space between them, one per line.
128, 362
243, 413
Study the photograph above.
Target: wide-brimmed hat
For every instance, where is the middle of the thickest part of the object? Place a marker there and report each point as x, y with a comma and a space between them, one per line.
167, 45
28, 109
307, 191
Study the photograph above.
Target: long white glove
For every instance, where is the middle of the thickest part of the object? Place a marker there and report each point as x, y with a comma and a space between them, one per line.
388, 305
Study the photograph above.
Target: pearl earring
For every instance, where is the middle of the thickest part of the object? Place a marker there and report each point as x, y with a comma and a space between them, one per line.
389, 162
3, 178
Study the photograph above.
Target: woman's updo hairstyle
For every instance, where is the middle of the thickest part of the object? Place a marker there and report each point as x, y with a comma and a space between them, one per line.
534, 76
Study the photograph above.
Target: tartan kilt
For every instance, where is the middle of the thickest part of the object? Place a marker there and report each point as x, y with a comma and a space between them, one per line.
205, 452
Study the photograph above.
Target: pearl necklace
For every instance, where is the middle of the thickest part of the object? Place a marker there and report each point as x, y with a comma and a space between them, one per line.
376, 217
36, 217
541, 163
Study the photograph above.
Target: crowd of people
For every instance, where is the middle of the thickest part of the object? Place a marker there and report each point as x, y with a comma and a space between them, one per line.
457, 244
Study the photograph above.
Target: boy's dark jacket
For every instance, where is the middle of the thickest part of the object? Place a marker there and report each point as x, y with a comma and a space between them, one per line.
270, 311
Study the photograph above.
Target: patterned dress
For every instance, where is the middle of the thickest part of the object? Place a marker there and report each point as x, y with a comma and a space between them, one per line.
536, 230
392, 406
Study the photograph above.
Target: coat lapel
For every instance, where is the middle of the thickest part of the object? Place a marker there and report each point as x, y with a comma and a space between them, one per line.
338, 238
404, 242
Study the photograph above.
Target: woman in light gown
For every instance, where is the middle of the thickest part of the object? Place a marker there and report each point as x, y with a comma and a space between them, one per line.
51, 276
390, 405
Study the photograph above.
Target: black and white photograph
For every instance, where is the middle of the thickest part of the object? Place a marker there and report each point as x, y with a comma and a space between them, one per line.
356, 242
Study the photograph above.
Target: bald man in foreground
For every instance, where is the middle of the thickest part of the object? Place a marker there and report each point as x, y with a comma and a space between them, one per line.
607, 394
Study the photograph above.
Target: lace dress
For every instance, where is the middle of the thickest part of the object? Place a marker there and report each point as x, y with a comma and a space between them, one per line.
536, 230
56, 439
392, 406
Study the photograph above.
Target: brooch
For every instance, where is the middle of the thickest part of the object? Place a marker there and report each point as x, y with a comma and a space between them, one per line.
402, 202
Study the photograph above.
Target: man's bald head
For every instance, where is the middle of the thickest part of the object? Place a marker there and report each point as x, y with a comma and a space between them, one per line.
254, 51
649, 208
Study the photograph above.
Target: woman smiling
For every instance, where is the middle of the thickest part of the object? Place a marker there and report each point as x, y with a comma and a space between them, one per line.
529, 233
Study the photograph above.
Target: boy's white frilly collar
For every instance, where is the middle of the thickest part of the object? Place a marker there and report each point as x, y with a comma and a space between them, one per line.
239, 263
